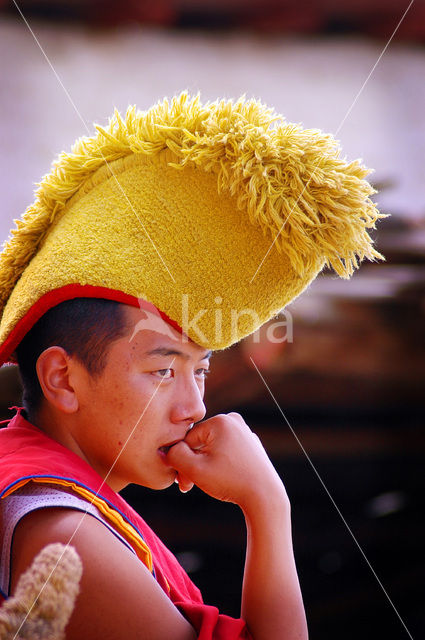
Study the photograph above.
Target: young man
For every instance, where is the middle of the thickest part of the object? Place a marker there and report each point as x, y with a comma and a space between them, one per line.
173, 233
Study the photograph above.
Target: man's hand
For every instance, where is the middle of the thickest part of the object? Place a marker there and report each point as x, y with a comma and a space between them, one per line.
225, 459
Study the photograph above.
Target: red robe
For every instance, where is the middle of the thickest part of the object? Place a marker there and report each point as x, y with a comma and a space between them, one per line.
27, 453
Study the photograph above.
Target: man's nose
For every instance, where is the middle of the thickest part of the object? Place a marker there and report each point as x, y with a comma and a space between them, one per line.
188, 403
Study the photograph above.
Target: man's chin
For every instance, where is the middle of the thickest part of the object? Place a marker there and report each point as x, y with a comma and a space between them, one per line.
166, 482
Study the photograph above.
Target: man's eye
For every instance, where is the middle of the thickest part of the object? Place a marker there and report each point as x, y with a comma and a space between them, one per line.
203, 372
169, 373
165, 373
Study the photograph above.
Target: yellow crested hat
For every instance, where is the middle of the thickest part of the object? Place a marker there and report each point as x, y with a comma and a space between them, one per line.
204, 211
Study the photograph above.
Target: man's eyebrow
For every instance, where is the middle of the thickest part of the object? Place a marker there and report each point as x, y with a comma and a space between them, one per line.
166, 351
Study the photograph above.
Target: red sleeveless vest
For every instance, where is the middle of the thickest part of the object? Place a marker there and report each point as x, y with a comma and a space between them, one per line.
27, 453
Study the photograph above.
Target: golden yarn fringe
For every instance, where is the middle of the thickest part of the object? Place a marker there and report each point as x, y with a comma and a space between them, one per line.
44, 597
291, 181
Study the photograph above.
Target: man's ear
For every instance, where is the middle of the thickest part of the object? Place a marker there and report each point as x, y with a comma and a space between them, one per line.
56, 371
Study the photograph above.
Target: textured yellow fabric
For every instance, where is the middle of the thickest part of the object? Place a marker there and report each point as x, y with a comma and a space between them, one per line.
218, 212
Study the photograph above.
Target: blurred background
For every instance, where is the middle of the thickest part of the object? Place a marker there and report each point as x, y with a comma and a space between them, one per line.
348, 437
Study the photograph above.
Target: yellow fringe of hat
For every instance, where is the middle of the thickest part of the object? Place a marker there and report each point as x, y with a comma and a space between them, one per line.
224, 203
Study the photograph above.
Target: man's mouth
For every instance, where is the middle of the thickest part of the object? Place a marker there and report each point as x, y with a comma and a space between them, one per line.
165, 449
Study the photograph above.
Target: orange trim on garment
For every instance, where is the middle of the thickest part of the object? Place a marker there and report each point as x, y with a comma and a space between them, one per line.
14, 487
139, 545
68, 292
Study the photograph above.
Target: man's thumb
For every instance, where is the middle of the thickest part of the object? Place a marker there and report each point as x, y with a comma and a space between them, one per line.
182, 458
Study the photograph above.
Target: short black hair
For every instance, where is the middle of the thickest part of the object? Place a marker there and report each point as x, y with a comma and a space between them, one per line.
84, 327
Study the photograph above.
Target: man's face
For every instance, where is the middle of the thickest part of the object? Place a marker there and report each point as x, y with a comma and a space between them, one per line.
147, 397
